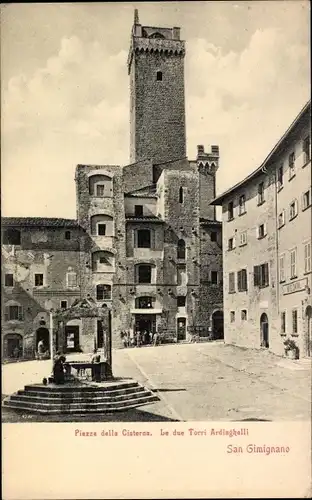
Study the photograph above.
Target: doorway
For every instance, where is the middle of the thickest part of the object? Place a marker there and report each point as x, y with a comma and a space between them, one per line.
217, 325
264, 331
181, 329
146, 325
13, 346
44, 335
72, 338
308, 336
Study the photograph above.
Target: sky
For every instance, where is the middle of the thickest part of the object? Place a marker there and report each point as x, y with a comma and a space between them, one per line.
65, 88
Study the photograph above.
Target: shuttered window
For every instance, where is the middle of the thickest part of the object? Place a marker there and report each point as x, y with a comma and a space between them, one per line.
14, 312
242, 280
261, 275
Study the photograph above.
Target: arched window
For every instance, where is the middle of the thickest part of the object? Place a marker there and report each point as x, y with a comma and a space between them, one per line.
159, 76
144, 238
156, 35
181, 194
144, 303
103, 262
103, 292
11, 236
102, 225
144, 273
100, 186
181, 250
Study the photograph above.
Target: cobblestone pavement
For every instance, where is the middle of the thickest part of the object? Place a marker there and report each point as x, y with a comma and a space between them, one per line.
200, 382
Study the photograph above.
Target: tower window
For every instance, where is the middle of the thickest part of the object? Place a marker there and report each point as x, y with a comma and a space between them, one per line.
144, 238
181, 249
101, 229
159, 76
67, 235
181, 195
138, 210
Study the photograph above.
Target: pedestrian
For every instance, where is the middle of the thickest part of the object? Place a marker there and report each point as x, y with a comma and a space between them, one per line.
96, 368
40, 349
155, 339
58, 368
138, 338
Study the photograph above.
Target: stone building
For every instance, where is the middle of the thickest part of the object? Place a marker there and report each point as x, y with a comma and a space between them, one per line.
41, 270
267, 247
150, 247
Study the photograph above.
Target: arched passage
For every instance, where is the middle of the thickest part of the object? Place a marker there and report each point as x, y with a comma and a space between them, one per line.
44, 335
308, 331
217, 325
264, 331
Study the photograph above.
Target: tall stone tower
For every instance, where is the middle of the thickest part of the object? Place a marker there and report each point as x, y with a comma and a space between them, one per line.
157, 101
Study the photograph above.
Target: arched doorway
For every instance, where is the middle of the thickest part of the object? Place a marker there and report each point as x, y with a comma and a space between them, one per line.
44, 335
308, 330
13, 346
264, 331
217, 325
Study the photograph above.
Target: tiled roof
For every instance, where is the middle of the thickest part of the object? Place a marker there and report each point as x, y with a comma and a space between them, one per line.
39, 222
210, 222
134, 218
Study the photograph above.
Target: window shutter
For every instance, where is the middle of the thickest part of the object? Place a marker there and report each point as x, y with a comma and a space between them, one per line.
244, 279
6, 314
256, 275
239, 281
134, 238
20, 313
264, 229
296, 207
266, 273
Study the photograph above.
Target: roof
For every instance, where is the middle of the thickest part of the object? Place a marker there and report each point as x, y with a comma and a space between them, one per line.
151, 218
262, 169
209, 222
39, 222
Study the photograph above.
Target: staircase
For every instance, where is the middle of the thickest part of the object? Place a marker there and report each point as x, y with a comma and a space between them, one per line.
81, 399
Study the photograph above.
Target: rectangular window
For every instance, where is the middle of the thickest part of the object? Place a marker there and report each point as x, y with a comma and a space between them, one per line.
283, 322
38, 279
261, 275
103, 292
232, 316
242, 207
231, 210
242, 280
144, 238
306, 199
306, 150
307, 257
8, 280
261, 231
281, 219
280, 177
282, 268
293, 210
231, 282
63, 304
294, 321
101, 229
145, 273
243, 238
138, 210
293, 263
213, 236
181, 301
14, 313
291, 165
71, 280
231, 244
99, 191
67, 235
214, 277
244, 314
260, 193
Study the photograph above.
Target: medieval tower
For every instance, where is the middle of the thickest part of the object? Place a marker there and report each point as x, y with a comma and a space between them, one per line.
157, 102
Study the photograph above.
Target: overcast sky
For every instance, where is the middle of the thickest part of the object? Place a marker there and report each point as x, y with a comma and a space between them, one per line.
65, 88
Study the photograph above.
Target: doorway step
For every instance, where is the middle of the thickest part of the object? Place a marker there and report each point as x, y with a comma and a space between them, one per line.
105, 397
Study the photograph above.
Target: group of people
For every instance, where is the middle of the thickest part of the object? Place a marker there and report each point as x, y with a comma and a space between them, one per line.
138, 338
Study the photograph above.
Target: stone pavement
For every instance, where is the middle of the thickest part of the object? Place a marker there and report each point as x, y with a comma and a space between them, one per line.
209, 381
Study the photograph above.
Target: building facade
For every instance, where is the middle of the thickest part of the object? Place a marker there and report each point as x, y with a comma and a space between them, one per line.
149, 246
267, 226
